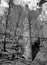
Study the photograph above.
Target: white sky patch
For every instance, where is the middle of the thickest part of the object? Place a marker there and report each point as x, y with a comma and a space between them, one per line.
4, 3
31, 3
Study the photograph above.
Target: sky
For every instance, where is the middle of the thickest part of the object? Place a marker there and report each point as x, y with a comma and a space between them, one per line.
4, 3
31, 3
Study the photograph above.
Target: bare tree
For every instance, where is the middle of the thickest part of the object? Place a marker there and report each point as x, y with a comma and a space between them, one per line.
6, 26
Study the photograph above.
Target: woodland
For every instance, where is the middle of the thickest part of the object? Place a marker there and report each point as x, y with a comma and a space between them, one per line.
23, 35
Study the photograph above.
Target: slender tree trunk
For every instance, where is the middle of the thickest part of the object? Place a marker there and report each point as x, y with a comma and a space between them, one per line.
6, 22
30, 35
